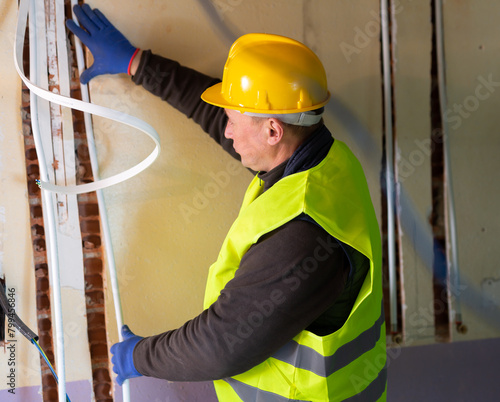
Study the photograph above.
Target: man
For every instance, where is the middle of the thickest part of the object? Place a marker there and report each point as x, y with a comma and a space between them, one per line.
293, 305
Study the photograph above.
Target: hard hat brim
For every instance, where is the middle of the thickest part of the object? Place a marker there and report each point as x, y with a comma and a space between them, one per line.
213, 95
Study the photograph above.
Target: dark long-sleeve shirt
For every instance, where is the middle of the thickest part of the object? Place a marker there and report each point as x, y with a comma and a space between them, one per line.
274, 294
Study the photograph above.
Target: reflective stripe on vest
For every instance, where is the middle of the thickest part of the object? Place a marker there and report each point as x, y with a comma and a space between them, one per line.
247, 393
374, 391
326, 365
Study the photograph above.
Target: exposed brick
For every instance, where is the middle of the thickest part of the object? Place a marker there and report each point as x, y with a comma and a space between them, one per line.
79, 124
93, 266
37, 230
27, 130
91, 241
87, 198
33, 189
33, 171
40, 274
102, 391
93, 282
95, 297
49, 394
85, 171
44, 339
83, 153
42, 302
90, 226
31, 154
39, 245
99, 349
42, 285
97, 335
96, 319
36, 211
44, 324
87, 210
42, 268
101, 374
25, 99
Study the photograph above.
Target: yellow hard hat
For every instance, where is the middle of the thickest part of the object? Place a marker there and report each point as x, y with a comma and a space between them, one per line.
270, 73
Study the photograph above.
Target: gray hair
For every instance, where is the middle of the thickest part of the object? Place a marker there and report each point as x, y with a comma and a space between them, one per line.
304, 119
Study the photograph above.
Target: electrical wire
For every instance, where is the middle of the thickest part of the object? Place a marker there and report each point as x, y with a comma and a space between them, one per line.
34, 342
24, 330
14, 318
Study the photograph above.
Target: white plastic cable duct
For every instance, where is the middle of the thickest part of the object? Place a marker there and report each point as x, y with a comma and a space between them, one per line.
84, 107
48, 202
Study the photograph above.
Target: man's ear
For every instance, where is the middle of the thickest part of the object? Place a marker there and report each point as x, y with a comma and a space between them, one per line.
275, 131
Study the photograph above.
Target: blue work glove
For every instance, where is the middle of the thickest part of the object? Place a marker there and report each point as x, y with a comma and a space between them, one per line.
123, 361
112, 52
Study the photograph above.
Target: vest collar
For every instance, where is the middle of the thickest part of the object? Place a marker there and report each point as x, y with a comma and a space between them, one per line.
309, 154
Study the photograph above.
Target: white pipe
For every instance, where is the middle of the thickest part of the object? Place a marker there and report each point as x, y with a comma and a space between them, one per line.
447, 164
49, 218
389, 175
106, 232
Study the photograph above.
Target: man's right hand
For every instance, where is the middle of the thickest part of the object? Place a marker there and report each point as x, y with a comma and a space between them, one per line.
112, 52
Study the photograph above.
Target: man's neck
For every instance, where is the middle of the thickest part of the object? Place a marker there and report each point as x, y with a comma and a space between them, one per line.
308, 154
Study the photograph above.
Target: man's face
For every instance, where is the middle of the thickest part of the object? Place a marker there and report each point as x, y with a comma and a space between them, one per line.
249, 140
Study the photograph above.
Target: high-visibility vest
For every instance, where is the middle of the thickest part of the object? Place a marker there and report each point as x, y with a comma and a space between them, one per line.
349, 364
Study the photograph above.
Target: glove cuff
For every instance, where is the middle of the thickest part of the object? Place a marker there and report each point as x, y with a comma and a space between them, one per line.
131, 60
